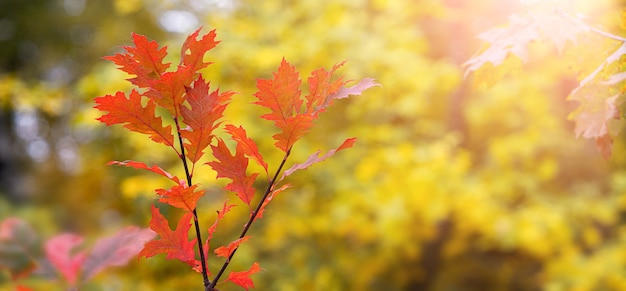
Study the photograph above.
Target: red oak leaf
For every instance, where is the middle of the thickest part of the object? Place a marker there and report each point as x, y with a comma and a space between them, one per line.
59, 252
193, 50
282, 96
226, 251
321, 86
220, 214
316, 158
181, 196
247, 145
293, 128
173, 243
168, 91
115, 250
134, 116
155, 169
243, 278
205, 109
233, 168
323, 90
144, 60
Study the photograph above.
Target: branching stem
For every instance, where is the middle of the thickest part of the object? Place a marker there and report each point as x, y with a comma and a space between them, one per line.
205, 276
253, 215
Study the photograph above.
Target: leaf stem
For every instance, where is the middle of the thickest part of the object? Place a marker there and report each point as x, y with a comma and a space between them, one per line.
196, 223
270, 186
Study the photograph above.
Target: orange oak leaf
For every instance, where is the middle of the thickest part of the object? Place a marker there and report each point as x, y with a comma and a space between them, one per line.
134, 116
144, 60
202, 115
321, 86
168, 91
193, 50
248, 146
173, 243
226, 251
233, 168
59, 251
220, 215
243, 278
293, 128
155, 169
282, 96
181, 196
316, 158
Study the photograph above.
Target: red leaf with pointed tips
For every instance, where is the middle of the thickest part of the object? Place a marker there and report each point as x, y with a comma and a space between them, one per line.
226, 251
59, 251
247, 145
144, 60
293, 128
243, 278
168, 91
155, 169
321, 86
181, 196
173, 243
205, 109
193, 50
134, 116
220, 215
283, 97
233, 168
280, 94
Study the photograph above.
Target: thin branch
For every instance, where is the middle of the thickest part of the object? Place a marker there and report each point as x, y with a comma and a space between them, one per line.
269, 189
205, 275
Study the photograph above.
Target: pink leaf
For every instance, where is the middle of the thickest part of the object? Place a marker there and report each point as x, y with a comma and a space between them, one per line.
357, 89
59, 252
116, 250
316, 158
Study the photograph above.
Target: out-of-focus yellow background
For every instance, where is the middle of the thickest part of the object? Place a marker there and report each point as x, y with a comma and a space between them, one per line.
450, 186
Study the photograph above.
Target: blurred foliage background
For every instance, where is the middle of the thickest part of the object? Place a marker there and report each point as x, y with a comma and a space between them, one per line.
450, 187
